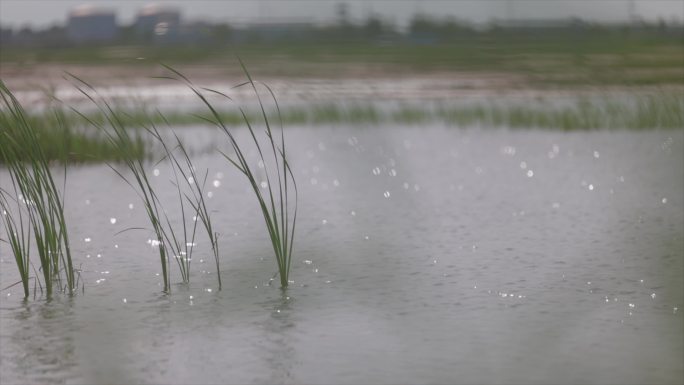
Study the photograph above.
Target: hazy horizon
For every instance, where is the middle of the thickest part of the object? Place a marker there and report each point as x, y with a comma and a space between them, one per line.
44, 13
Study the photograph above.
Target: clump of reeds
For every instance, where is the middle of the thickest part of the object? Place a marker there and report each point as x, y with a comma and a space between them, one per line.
278, 208
173, 241
37, 215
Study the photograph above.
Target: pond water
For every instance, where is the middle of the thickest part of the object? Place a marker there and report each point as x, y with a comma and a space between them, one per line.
423, 255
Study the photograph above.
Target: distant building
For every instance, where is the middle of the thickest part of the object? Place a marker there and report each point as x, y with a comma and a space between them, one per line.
89, 24
158, 23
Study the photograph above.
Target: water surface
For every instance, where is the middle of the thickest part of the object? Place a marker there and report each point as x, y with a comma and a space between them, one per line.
423, 255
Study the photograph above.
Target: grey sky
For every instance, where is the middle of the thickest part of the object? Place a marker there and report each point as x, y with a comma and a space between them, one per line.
18, 13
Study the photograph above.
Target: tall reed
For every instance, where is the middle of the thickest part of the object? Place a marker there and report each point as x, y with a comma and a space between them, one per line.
176, 241
39, 215
277, 208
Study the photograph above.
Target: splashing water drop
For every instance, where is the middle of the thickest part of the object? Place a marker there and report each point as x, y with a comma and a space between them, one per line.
530, 173
112, 220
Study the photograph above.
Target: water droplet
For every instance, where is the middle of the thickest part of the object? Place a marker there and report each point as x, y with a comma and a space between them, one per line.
208, 290
263, 184
210, 194
191, 180
591, 187
530, 173
376, 171
321, 146
130, 206
336, 182
87, 201
631, 305
393, 172
555, 205
155, 172
315, 270
366, 237
523, 165
353, 213
86, 240
674, 310
116, 246
124, 300
217, 183
416, 187
664, 200
596, 154
191, 297
112, 220
260, 164
314, 181
325, 221
508, 150
406, 186
387, 194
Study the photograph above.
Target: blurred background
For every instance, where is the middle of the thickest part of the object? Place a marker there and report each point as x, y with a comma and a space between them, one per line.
467, 44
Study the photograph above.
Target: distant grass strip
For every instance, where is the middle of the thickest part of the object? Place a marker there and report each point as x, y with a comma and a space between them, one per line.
657, 111
32, 207
63, 137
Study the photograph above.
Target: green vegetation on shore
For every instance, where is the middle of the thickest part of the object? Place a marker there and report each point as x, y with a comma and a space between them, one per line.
66, 135
568, 60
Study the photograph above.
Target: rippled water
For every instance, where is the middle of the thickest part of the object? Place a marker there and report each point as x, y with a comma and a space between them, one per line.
423, 255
